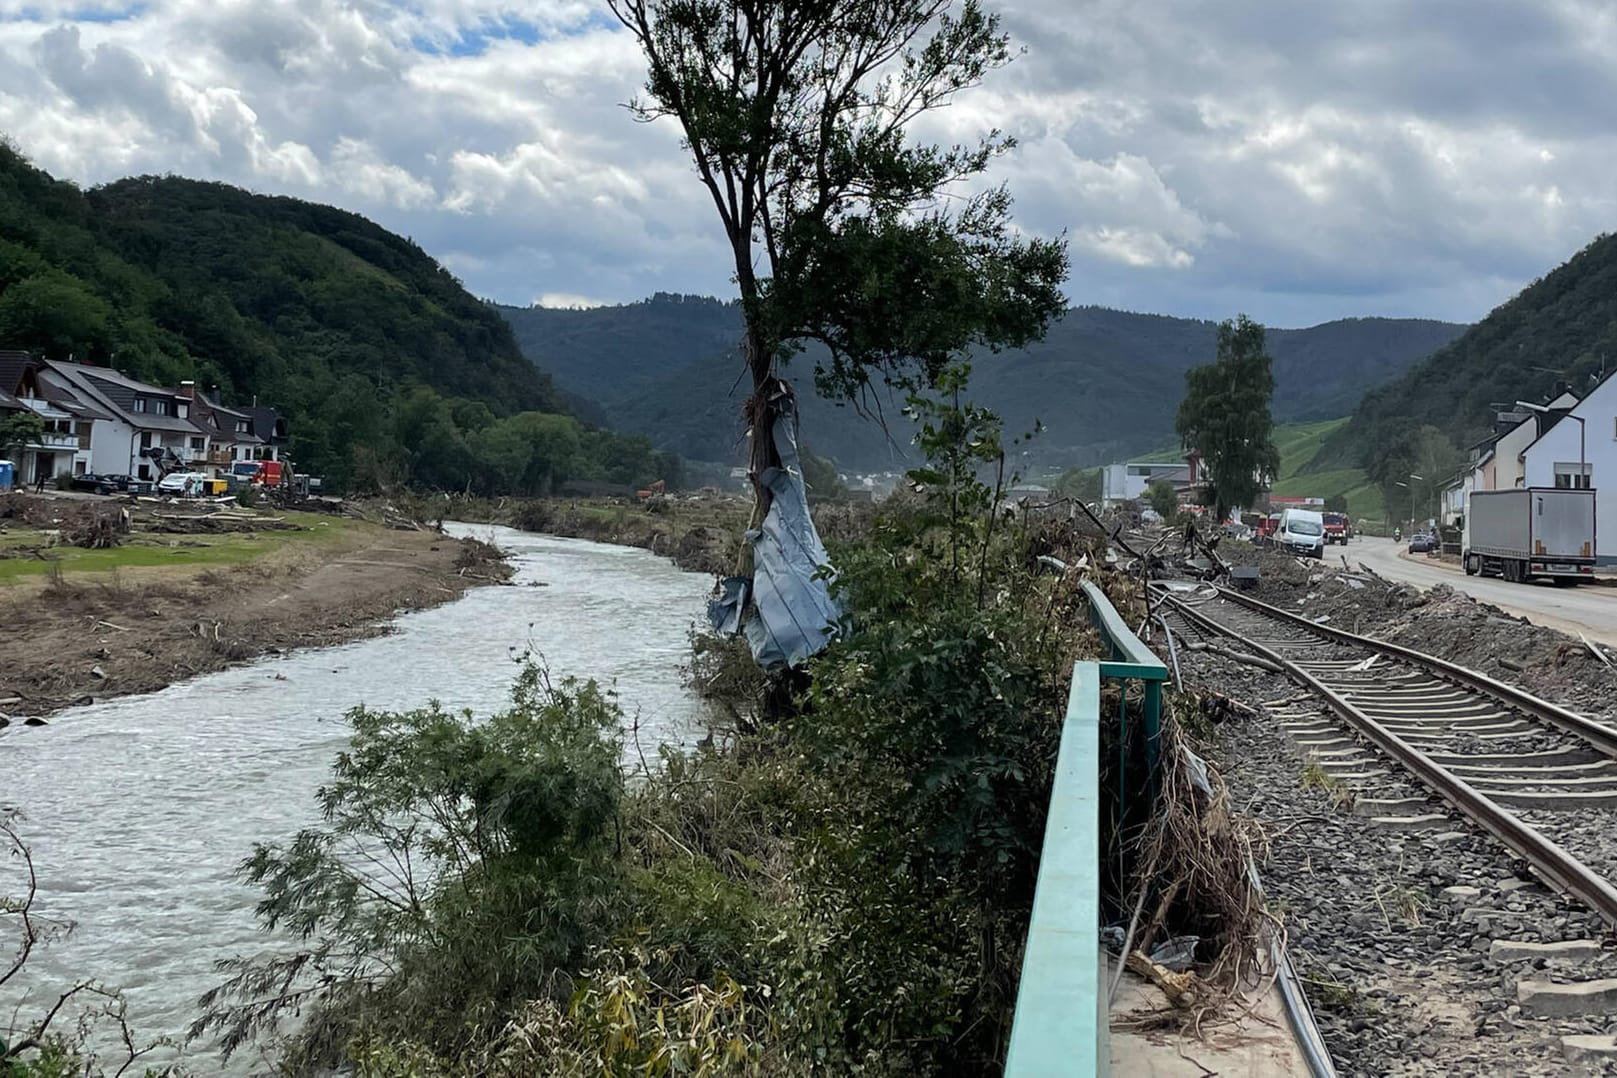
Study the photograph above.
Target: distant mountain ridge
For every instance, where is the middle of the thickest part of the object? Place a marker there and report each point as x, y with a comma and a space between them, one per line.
1562, 327
1104, 383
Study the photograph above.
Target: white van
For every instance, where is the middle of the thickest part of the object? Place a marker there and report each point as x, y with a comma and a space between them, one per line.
185, 484
1301, 532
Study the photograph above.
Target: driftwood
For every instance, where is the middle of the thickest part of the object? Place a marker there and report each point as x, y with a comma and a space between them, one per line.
1238, 656
1180, 988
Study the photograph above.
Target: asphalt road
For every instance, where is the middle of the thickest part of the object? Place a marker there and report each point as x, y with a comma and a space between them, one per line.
1589, 609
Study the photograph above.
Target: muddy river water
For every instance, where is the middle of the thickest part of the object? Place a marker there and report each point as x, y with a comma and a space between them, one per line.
139, 809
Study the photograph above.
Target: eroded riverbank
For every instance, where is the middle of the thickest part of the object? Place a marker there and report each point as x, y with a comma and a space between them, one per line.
139, 809
79, 637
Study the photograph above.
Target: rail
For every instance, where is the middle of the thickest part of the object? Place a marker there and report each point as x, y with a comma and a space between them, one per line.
1551, 861
1060, 1023
1597, 734
1060, 1019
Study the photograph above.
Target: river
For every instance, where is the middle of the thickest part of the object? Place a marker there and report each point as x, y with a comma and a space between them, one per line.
139, 809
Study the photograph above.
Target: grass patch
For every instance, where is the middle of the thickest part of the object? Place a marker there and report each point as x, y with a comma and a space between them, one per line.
1316, 777
234, 548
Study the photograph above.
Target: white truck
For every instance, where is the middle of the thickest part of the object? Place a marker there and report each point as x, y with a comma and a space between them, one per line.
1530, 533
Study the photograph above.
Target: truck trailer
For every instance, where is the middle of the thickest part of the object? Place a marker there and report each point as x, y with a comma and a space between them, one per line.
1530, 534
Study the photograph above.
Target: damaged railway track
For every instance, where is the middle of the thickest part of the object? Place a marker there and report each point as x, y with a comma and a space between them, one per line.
1480, 745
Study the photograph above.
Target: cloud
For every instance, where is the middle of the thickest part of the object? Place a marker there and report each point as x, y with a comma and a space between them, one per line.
1298, 162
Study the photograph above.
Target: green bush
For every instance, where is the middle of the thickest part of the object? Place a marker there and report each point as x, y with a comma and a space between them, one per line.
840, 890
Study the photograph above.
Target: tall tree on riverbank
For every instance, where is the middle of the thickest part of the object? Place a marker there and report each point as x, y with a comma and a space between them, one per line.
796, 114
1225, 416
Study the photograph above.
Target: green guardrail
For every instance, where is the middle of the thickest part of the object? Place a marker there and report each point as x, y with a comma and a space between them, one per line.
1060, 1026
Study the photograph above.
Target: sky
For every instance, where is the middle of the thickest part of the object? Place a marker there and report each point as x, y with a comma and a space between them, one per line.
1295, 161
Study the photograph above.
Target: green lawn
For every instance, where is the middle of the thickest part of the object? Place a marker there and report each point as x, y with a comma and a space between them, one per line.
233, 548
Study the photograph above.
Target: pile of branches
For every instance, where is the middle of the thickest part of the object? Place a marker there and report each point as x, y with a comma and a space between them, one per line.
1194, 878
95, 526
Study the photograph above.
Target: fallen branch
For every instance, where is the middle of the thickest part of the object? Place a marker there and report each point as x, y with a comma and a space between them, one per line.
1180, 988
1238, 656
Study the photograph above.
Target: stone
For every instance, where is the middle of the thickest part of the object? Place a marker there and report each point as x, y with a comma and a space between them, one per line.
1428, 822
1372, 806
1514, 884
1583, 1047
1447, 838
1462, 893
1568, 1000
1518, 950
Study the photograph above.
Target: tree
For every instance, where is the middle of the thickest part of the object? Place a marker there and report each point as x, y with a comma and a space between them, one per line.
19, 429
1081, 483
1225, 416
1164, 499
1411, 463
796, 114
1336, 503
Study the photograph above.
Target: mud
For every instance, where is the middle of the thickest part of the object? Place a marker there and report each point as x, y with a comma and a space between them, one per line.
71, 641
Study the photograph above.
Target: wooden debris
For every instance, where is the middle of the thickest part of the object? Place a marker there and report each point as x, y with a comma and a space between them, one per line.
1180, 988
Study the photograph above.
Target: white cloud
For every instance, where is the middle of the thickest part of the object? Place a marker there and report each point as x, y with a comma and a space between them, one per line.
1295, 161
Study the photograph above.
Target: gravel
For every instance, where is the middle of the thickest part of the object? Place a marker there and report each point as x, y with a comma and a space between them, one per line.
1401, 979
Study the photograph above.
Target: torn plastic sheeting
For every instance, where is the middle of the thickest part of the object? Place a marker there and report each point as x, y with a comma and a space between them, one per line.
793, 615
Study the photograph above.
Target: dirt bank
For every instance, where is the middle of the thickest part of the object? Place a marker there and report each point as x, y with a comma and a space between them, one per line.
73, 637
699, 532
1440, 621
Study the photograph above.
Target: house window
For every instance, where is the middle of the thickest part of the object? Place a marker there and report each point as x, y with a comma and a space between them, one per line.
163, 407
145, 439
241, 426
145, 471
140, 404
185, 410
196, 443
1572, 475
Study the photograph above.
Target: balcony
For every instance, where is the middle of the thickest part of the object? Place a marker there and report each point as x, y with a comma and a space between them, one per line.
53, 439
218, 456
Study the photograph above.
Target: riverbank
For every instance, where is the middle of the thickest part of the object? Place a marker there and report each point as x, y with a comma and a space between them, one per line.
91, 624
698, 532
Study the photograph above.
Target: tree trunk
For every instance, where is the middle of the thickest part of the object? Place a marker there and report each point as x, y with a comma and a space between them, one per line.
761, 410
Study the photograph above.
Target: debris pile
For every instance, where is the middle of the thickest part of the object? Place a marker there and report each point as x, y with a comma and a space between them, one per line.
95, 525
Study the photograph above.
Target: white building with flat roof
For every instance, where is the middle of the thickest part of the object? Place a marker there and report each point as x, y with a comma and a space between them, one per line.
1126, 482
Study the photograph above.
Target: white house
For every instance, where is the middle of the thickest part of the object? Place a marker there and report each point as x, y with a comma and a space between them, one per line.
1581, 451
1126, 482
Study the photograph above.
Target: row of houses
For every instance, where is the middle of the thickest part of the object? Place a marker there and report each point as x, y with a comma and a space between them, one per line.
100, 421
1569, 442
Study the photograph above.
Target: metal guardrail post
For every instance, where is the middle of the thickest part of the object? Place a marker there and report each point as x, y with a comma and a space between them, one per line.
1131, 661
1060, 1026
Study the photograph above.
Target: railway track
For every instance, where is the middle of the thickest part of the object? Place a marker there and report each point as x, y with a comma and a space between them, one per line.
1488, 749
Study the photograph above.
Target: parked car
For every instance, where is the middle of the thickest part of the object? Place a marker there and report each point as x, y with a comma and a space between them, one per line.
97, 484
1422, 543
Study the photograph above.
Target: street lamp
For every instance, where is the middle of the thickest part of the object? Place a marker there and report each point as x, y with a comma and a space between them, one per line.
1583, 467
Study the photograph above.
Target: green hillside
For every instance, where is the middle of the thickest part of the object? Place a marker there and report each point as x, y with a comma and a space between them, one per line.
1105, 384
386, 367
1561, 327
1299, 444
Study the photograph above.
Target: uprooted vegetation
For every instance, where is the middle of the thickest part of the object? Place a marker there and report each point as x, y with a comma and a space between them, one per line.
838, 885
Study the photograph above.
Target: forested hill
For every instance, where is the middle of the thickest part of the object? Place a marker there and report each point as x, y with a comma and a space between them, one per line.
1561, 327
1105, 383
387, 368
